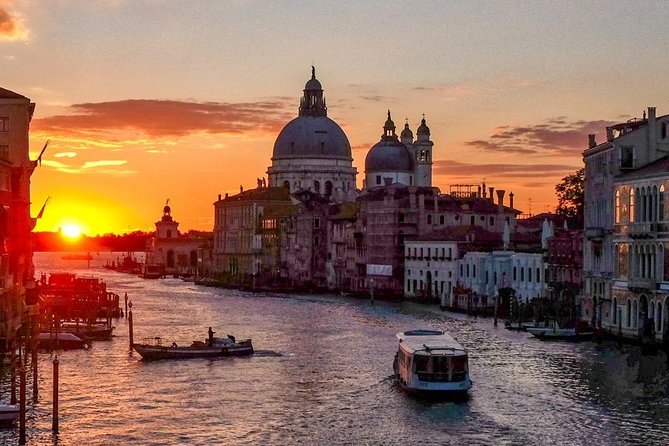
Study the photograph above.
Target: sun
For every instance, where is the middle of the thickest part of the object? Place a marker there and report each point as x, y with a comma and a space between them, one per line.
71, 230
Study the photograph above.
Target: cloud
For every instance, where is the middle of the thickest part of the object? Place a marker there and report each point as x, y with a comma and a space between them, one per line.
167, 118
65, 155
557, 136
12, 26
457, 169
363, 146
104, 167
103, 163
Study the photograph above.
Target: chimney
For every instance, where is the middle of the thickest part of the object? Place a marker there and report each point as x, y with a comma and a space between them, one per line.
492, 195
511, 200
652, 134
591, 140
609, 134
483, 196
500, 200
219, 197
479, 192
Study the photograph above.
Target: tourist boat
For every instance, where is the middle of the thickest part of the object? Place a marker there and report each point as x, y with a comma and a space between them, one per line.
97, 331
65, 341
555, 332
153, 348
9, 413
431, 363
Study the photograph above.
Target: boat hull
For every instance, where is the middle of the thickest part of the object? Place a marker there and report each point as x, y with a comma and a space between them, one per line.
549, 334
152, 352
9, 413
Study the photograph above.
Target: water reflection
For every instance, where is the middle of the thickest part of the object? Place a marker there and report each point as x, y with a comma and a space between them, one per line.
321, 375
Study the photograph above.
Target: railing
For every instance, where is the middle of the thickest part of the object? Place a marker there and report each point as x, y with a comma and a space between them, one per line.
433, 377
594, 233
637, 282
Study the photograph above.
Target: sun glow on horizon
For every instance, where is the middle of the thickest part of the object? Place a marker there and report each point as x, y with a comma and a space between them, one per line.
71, 231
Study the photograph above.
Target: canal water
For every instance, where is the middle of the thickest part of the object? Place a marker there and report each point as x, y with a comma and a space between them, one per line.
322, 375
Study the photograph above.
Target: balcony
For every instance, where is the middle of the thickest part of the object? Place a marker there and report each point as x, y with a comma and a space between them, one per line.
641, 284
594, 233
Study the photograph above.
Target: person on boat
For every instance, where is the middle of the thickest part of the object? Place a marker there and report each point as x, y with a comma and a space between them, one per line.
211, 337
232, 338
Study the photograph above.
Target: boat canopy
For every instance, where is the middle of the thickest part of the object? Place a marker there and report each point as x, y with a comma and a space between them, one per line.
430, 342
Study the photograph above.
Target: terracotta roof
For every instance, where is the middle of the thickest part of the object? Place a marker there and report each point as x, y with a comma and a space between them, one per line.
8, 94
657, 167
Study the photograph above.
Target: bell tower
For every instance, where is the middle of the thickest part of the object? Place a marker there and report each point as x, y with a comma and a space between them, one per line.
422, 149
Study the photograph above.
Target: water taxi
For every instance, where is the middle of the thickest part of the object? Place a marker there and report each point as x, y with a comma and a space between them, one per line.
555, 332
431, 363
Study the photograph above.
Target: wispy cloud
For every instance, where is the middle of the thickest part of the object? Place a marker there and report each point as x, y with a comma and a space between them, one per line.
167, 118
103, 167
65, 155
456, 169
465, 90
103, 163
558, 136
12, 25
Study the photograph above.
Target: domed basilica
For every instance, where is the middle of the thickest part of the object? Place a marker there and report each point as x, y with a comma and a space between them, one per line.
312, 152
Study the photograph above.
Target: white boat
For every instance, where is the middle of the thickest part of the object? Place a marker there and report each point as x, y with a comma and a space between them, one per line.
555, 332
431, 363
9, 412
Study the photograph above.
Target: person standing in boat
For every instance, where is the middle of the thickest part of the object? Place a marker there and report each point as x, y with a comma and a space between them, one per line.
211, 337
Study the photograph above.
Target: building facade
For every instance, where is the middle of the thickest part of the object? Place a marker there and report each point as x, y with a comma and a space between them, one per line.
621, 207
17, 284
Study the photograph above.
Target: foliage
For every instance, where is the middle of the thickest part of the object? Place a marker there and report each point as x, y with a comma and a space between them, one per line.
570, 198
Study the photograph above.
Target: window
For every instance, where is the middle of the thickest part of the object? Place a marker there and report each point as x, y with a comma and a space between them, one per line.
522, 274
169, 233
660, 199
472, 220
627, 157
514, 274
474, 271
4, 152
378, 179
429, 219
4, 125
538, 275
317, 187
317, 223
492, 221
617, 214
441, 219
400, 217
663, 132
467, 270
632, 206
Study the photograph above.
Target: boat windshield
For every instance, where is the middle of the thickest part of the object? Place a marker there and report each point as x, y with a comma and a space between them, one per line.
440, 368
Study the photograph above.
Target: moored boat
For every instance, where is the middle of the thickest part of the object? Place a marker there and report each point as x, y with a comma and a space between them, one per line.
65, 341
9, 413
97, 332
555, 332
431, 363
153, 348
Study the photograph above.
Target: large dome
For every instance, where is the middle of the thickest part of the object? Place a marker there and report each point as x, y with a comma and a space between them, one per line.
312, 137
389, 156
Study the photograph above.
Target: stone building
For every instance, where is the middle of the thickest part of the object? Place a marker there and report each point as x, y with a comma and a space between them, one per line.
17, 284
340, 264
622, 208
312, 152
247, 228
175, 253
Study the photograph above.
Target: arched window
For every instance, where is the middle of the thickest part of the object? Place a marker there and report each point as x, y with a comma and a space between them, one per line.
170, 259
617, 214
286, 184
658, 318
615, 311
651, 313
660, 199
632, 206
422, 155
328, 188
628, 322
472, 220
654, 211
317, 186
635, 314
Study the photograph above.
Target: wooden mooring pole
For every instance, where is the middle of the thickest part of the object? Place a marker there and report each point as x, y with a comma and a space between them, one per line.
34, 364
12, 366
130, 326
126, 305
22, 406
54, 425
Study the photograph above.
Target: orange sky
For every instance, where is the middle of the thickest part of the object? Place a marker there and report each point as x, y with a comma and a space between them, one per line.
149, 100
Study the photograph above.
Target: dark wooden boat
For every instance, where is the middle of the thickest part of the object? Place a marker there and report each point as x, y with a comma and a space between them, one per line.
153, 348
65, 341
96, 332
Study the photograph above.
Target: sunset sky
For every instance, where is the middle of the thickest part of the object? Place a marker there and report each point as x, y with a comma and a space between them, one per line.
156, 99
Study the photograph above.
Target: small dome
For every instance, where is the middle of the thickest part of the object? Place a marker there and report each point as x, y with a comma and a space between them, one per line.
389, 156
423, 130
167, 210
313, 84
406, 133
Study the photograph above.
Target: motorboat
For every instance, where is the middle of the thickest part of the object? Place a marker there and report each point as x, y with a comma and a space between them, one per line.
9, 413
61, 340
553, 331
155, 348
431, 363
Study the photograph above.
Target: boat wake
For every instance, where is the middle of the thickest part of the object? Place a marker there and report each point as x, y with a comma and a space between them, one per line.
267, 353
